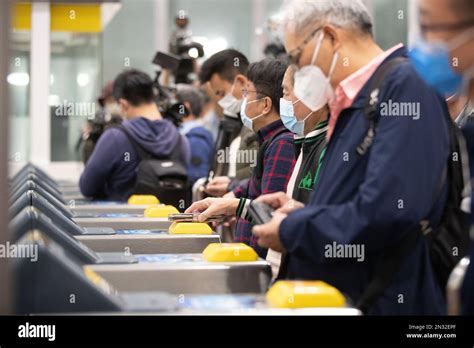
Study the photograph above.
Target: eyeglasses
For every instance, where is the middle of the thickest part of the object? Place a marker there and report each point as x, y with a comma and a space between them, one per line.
295, 54
245, 92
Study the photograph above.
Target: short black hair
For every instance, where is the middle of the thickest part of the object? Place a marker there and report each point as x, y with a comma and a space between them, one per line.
134, 86
227, 64
267, 76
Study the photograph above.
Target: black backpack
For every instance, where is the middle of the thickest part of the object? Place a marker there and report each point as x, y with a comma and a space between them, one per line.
452, 233
165, 178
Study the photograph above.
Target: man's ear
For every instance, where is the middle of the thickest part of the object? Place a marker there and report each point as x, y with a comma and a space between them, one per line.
187, 105
241, 79
332, 33
268, 105
240, 84
124, 105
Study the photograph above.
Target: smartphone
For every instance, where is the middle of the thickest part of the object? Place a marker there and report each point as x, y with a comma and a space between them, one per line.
193, 217
261, 213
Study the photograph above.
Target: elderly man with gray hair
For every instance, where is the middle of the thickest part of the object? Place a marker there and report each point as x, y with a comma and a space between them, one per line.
382, 173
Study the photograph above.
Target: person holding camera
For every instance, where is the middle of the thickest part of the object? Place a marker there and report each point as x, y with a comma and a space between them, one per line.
111, 171
108, 116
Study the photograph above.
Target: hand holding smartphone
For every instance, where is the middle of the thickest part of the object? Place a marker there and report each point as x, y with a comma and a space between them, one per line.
260, 212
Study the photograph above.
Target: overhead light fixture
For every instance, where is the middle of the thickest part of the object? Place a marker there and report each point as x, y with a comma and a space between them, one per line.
19, 79
83, 79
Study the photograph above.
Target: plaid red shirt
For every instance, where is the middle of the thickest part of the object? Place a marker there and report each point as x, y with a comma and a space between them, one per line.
278, 162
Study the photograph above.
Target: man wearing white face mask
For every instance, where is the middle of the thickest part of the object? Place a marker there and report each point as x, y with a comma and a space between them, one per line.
379, 179
275, 158
225, 74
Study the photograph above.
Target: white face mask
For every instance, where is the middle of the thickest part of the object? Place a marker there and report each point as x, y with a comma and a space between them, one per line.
230, 104
312, 87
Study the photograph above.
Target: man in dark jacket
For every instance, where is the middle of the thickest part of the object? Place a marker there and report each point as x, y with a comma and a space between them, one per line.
199, 138
365, 202
449, 24
110, 172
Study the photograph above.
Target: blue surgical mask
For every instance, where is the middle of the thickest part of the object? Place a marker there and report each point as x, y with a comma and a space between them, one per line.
287, 114
247, 121
433, 63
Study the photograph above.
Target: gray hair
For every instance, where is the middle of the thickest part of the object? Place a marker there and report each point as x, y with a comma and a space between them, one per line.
190, 94
303, 15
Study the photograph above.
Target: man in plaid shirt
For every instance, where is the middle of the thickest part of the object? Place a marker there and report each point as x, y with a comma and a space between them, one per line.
276, 157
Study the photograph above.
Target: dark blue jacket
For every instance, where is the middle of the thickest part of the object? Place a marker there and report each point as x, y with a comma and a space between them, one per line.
202, 152
110, 172
467, 291
372, 200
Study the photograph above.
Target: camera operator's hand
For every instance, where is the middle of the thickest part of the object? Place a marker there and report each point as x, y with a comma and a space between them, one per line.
218, 186
86, 131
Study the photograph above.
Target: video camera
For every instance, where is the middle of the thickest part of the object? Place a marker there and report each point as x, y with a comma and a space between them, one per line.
169, 105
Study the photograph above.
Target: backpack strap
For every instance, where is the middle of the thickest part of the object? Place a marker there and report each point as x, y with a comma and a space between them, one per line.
393, 257
177, 154
372, 101
143, 154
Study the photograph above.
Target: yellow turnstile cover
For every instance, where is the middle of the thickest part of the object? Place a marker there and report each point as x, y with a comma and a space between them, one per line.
98, 281
304, 294
160, 211
189, 228
143, 200
229, 252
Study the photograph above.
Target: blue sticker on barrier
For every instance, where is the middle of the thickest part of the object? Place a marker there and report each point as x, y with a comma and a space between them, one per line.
118, 215
99, 203
141, 232
218, 302
169, 258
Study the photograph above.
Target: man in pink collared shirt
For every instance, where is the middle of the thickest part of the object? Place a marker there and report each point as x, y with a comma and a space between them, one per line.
366, 201
350, 87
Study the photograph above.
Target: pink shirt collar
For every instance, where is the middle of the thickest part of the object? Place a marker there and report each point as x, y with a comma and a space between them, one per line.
350, 87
